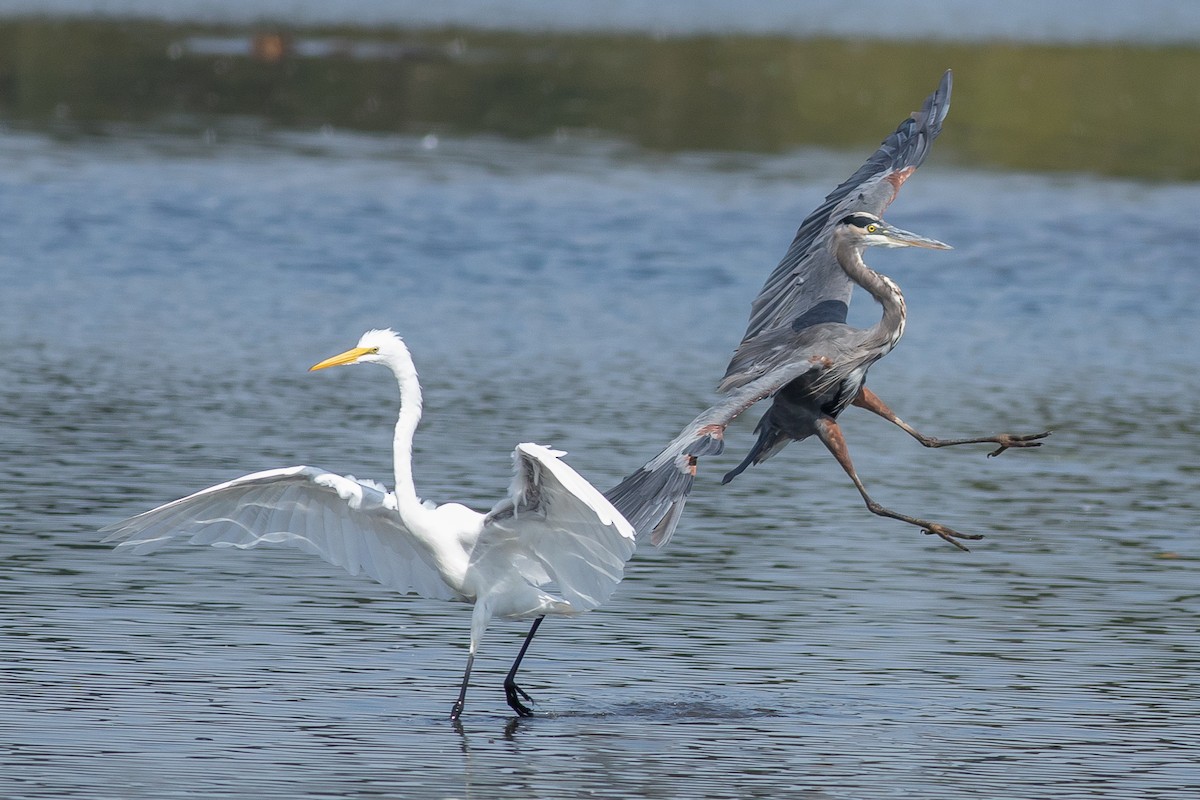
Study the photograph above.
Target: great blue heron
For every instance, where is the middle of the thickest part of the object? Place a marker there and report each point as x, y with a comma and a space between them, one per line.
798, 348
554, 532
841, 355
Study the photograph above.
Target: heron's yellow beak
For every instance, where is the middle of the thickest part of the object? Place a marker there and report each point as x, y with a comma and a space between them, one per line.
902, 238
348, 357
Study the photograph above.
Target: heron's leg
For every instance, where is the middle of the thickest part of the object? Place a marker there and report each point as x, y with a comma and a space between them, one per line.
871, 402
511, 690
830, 434
456, 711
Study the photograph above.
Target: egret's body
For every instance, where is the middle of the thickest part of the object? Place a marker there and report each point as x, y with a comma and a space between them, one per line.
553, 546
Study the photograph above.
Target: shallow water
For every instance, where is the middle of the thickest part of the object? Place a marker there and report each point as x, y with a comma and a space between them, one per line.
163, 299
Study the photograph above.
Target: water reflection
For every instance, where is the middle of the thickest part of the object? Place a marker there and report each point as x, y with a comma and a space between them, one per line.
1113, 109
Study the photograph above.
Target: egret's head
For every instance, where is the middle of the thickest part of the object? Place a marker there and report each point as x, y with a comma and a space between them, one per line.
869, 230
374, 347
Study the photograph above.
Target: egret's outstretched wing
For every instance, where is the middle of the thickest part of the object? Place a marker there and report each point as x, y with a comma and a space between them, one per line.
808, 287
344, 521
578, 539
652, 498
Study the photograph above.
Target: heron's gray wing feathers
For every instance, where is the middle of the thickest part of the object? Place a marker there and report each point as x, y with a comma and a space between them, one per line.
347, 522
652, 498
808, 286
834, 344
577, 538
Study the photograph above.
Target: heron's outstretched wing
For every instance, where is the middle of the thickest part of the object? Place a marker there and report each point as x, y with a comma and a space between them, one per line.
652, 498
574, 534
349, 523
808, 287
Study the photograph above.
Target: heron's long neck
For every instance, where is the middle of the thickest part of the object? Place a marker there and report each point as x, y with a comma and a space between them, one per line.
406, 427
887, 332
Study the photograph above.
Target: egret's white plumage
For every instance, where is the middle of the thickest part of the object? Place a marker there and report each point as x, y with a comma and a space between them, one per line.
554, 545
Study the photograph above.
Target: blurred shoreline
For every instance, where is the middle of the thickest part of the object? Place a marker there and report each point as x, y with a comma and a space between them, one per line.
1110, 109
1063, 21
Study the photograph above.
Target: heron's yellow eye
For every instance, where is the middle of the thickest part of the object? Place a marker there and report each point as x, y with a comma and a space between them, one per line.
872, 228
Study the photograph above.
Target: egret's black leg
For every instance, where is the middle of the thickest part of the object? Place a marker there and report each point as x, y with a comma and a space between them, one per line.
830, 434
872, 402
511, 690
462, 692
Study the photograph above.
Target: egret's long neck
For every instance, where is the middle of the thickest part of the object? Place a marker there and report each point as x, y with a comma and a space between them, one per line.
887, 332
402, 367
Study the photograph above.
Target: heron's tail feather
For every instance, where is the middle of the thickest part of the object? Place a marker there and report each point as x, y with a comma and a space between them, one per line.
652, 498
652, 501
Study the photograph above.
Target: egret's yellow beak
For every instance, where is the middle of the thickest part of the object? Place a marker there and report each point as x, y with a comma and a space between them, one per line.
348, 357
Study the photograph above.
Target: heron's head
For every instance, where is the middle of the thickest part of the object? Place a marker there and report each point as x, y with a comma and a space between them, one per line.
373, 347
868, 230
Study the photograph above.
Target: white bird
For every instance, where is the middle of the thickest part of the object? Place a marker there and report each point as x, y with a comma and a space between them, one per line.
553, 546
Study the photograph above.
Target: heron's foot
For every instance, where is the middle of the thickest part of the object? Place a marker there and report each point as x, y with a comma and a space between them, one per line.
928, 528
511, 692
949, 534
1007, 440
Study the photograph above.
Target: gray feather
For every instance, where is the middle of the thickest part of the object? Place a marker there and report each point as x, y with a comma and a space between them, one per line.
809, 276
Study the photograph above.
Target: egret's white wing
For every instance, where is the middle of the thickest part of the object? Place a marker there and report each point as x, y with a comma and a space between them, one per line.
577, 538
347, 522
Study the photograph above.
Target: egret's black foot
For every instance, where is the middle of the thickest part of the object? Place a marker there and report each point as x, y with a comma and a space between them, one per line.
1007, 440
511, 692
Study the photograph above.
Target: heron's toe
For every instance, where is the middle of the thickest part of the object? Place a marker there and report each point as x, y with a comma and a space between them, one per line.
1007, 440
950, 535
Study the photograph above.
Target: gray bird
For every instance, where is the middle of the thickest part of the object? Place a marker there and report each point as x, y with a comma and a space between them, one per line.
798, 349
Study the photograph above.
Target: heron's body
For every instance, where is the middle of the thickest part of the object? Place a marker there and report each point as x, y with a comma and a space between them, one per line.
840, 356
796, 408
552, 546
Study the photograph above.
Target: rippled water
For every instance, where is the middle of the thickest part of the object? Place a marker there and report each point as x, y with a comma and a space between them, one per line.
162, 301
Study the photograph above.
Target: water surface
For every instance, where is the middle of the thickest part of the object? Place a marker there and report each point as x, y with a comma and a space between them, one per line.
163, 297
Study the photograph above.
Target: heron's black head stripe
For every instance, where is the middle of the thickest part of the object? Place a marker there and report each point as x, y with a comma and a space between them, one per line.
859, 220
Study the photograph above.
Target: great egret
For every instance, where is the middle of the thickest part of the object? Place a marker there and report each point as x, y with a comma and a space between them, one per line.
553, 546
